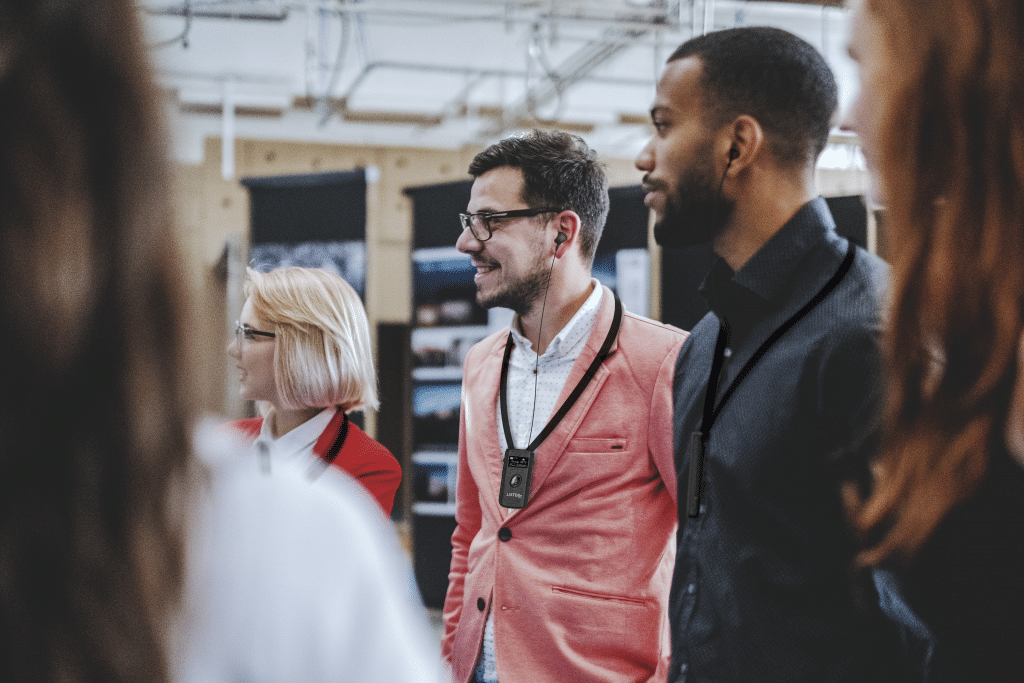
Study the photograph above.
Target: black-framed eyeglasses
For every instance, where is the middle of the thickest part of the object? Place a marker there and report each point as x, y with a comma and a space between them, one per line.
480, 223
245, 333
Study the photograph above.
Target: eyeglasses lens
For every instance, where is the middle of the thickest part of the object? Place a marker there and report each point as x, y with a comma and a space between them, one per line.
477, 225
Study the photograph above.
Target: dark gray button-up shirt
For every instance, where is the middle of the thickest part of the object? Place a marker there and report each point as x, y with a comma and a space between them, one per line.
762, 584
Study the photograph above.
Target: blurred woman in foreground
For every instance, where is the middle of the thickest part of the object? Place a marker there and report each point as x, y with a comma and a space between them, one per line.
302, 345
941, 119
121, 557
96, 407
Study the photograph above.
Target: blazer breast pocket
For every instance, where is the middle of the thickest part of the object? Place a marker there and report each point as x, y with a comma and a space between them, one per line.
586, 446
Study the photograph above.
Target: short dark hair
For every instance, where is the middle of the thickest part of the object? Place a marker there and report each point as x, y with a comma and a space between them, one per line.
774, 76
559, 170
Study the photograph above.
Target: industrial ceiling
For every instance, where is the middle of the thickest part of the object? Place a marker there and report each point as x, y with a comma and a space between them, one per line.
440, 73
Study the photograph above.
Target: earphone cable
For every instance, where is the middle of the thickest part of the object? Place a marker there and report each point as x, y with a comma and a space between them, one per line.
540, 329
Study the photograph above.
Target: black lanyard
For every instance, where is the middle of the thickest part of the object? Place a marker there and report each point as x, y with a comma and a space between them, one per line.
327, 459
339, 440
700, 438
573, 397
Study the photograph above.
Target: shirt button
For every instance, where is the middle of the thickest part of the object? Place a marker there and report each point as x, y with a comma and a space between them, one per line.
691, 589
481, 604
504, 533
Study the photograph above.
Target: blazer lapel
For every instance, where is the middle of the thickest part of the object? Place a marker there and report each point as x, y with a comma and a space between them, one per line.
551, 450
480, 392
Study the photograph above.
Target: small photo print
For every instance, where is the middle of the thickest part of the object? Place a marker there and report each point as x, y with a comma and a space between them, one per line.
347, 259
432, 482
435, 408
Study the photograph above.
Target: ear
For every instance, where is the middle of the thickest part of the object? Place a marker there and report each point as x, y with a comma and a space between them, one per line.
743, 143
567, 222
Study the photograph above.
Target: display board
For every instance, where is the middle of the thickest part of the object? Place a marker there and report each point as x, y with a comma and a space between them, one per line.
313, 220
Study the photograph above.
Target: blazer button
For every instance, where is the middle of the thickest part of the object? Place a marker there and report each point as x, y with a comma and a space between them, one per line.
504, 533
480, 604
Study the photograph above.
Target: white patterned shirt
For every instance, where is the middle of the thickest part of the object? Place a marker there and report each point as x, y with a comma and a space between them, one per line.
527, 416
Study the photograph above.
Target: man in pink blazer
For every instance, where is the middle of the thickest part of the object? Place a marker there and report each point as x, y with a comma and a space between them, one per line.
563, 553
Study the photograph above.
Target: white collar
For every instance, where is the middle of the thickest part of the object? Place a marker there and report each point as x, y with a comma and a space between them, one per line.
571, 335
298, 441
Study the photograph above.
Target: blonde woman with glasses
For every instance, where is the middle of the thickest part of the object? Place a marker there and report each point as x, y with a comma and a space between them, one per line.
302, 346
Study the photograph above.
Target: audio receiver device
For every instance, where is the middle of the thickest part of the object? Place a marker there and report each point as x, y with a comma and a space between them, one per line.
515, 478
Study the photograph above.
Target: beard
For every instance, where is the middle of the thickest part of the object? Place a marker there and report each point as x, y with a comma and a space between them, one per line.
520, 295
696, 212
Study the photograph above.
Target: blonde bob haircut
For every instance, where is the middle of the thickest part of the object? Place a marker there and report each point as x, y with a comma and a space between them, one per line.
323, 356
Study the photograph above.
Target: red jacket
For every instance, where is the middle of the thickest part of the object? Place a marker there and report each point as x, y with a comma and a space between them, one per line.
359, 455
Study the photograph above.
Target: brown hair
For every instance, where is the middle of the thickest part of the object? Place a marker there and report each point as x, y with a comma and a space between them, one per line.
94, 410
952, 170
559, 171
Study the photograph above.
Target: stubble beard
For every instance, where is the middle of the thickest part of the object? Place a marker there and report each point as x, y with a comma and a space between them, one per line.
520, 295
695, 213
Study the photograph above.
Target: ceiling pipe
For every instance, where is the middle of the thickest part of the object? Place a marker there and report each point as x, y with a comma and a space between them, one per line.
470, 71
189, 11
576, 68
634, 19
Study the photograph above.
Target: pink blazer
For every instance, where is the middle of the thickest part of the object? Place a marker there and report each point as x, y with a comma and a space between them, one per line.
579, 589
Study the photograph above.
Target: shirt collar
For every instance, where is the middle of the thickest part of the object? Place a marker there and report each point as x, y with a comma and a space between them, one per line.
575, 330
297, 441
762, 278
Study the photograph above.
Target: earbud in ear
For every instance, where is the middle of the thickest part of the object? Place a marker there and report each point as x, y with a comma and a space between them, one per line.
734, 153
561, 237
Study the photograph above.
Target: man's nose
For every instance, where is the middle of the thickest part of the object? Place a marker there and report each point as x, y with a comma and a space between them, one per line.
467, 242
645, 159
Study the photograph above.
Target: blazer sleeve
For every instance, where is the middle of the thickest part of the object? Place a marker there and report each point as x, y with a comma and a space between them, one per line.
467, 519
660, 428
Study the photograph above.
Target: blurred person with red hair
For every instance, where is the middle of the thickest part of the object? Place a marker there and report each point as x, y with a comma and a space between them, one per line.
941, 119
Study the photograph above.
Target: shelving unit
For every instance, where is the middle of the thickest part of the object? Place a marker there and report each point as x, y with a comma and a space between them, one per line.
446, 323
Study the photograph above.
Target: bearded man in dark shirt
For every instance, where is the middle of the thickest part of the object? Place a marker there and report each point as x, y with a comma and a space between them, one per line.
762, 585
